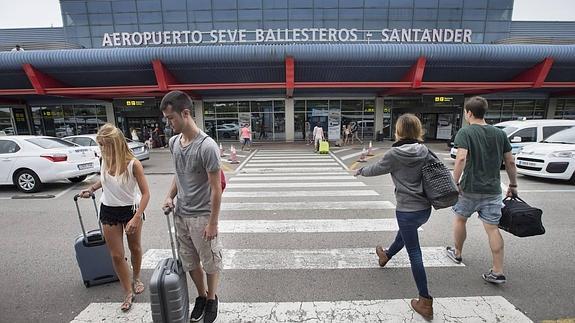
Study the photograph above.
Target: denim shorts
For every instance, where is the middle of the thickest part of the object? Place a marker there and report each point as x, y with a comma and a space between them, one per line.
488, 206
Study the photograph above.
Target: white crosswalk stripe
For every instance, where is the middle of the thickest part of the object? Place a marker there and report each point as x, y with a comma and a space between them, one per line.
314, 164
280, 194
290, 185
326, 174
291, 169
289, 178
307, 225
310, 259
292, 158
457, 309
347, 205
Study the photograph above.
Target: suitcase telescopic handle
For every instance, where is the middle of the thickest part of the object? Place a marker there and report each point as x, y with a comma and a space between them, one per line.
167, 212
93, 196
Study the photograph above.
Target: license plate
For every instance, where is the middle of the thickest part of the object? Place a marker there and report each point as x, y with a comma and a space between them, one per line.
526, 163
85, 166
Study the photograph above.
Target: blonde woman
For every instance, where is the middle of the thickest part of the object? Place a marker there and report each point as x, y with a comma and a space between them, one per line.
404, 162
122, 208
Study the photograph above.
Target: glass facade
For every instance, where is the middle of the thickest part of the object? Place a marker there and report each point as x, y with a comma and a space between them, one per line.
223, 119
68, 120
515, 109
14, 121
308, 113
565, 109
439, 119
6, 124
86, 22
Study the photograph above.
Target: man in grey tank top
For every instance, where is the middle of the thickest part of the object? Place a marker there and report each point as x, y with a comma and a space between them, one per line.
197, 185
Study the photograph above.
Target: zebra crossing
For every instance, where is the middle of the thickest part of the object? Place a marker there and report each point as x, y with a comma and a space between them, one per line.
283, 193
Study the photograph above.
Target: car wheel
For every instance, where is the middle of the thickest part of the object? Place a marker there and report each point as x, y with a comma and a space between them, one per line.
27, 181
572, 179
78, 179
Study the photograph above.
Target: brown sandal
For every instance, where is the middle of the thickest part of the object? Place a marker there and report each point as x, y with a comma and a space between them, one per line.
138, 286
127, 304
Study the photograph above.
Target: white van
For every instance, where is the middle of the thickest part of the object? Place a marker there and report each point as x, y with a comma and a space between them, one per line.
525, 132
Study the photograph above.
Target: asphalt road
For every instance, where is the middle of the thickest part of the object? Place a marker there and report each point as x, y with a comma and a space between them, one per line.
41, 281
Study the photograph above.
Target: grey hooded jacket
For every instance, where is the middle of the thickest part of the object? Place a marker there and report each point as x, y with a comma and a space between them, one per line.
404, 163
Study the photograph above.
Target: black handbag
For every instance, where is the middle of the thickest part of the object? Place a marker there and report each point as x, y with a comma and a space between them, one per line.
521, 219
438, 184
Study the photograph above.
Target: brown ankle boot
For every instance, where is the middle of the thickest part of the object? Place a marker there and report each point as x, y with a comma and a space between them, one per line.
423, 306
383, 259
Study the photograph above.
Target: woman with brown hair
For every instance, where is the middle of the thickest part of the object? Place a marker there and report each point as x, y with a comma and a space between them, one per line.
122, 208
404, 162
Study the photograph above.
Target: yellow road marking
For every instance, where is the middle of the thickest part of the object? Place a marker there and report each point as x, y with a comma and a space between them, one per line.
566, 320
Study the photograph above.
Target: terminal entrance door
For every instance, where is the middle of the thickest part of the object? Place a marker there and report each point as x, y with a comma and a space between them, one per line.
436, 126
141, 114
440, 116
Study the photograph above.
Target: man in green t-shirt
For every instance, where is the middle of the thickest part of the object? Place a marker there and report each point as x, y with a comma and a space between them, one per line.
480, 150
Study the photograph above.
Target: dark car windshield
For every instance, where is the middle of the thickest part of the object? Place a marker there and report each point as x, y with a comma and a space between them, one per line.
507, 130
49, 143
566, 136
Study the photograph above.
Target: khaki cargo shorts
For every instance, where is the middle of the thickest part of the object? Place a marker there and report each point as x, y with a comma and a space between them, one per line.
194, 250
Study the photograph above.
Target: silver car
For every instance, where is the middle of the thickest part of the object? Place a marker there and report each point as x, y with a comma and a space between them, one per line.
140, 150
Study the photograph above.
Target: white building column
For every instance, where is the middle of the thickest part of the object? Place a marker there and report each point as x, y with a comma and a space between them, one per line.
110, 113
199, 113
379, 110
290, 120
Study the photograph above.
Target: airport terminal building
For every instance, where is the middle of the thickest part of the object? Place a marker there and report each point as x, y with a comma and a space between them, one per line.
279, 65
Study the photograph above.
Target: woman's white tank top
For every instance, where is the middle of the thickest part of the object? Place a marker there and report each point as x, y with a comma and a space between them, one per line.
118, 191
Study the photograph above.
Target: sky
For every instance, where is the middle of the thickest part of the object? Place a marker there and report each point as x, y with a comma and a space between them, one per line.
46, 13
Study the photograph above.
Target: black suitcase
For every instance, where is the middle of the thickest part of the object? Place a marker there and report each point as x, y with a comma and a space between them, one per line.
520, 219
92, 253
169, 297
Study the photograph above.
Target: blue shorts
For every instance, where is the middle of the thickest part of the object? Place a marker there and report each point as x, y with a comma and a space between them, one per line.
488, 206
247, 141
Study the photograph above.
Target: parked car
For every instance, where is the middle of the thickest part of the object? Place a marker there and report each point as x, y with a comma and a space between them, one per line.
140, 150
228, 131
526, 132
552, 158
30, 161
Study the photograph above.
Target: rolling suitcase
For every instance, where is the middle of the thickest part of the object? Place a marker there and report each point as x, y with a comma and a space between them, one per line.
169, 298
92, 254
324, 147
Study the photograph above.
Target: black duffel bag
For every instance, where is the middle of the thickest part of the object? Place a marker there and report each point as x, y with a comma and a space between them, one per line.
521, 219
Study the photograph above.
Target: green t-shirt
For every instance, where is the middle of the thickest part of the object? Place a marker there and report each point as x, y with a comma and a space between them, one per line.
485, 146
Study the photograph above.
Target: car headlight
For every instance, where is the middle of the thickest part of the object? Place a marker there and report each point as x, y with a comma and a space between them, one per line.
519, 150
564, 154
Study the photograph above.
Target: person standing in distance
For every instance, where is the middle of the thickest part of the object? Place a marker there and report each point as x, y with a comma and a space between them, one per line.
246, 136
317, 136
197, 185
480, 151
